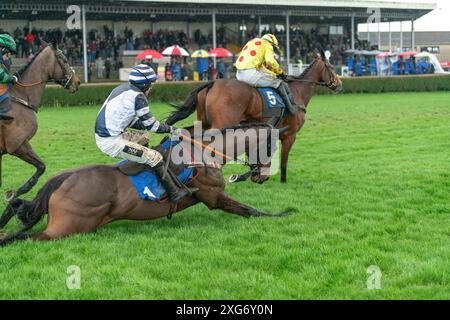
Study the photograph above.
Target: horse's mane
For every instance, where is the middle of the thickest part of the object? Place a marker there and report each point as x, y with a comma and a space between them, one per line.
304, 73
22, 70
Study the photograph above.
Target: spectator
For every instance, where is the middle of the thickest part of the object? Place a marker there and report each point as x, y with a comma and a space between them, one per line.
359, 67
176, 71
202, 68
221, 69
351, 65
100, 65
167, 72
108, 67
373, 66
30, 38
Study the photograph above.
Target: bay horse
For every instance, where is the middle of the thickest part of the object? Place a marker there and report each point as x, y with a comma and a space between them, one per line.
81, 200
15, 135
225, 103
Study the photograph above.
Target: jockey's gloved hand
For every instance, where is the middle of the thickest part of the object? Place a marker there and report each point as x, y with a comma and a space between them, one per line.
176, 134
283, 76
13, 79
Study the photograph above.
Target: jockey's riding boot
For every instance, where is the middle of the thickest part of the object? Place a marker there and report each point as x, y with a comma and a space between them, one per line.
4, 109
175, 188
286, 94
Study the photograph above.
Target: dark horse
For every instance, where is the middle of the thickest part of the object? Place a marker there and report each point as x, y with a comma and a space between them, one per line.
48, 64
225, 103
81, 200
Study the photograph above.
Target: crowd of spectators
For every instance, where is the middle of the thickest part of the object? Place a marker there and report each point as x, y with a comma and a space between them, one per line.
304, 44
397, 66
104, 47
103, 43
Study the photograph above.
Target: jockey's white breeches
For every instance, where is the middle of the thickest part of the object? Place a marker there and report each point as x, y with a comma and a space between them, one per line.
118, 147
258, 78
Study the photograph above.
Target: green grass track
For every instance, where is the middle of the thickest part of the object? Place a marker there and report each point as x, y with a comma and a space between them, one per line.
369, 175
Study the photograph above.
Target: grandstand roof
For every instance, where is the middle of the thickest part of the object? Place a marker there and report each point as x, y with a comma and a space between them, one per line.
311, 3
176, 9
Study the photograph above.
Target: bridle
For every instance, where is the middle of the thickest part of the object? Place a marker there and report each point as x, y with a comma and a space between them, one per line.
68, 73
332, 84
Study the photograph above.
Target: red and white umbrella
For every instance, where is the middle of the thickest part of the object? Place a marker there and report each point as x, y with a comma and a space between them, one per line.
175, 51
220, 53
149, 54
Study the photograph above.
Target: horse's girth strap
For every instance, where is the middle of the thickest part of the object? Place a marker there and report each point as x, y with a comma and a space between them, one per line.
24, 103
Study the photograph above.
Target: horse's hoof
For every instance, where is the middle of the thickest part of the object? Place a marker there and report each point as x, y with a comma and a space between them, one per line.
10, 196
233, 178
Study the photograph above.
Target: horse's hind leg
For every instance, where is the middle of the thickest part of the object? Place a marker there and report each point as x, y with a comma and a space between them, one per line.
7, 216
26, 153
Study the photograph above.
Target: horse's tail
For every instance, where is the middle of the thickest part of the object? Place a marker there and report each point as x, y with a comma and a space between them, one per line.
189, 105
31, 212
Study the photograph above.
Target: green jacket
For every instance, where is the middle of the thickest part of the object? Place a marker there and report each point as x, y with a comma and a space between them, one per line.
4, 74
5, 78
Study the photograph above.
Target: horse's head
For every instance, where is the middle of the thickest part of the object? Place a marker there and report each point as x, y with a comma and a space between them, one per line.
62, 73
327, 73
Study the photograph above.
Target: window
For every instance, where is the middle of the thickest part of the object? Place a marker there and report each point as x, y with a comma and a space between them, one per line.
336, 30
435, 50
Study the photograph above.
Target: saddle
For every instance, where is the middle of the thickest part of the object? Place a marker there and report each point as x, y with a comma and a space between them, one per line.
274, 107
5, 106
130, 168
146, 181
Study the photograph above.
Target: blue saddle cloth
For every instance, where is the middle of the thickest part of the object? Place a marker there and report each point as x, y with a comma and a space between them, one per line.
272, 98
147, 184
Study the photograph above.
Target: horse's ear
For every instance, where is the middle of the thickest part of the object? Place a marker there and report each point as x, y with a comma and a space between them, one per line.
322, 54
43, 44
55, 44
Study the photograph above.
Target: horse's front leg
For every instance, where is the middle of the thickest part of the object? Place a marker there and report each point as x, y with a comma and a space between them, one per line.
226, 203
26, 153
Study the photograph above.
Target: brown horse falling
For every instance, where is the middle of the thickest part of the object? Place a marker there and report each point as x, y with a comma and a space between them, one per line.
81, 200
225, 103
15, 135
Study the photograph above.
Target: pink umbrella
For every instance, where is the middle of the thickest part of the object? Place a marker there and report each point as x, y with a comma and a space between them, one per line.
408, 53
149, 54
175, 51
220, 53
384, 55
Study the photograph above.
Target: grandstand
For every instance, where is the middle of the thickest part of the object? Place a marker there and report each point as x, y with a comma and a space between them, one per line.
110, 27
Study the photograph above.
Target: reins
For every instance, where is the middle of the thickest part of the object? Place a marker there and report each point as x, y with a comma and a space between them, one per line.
29, 84
242, 162
330, 84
